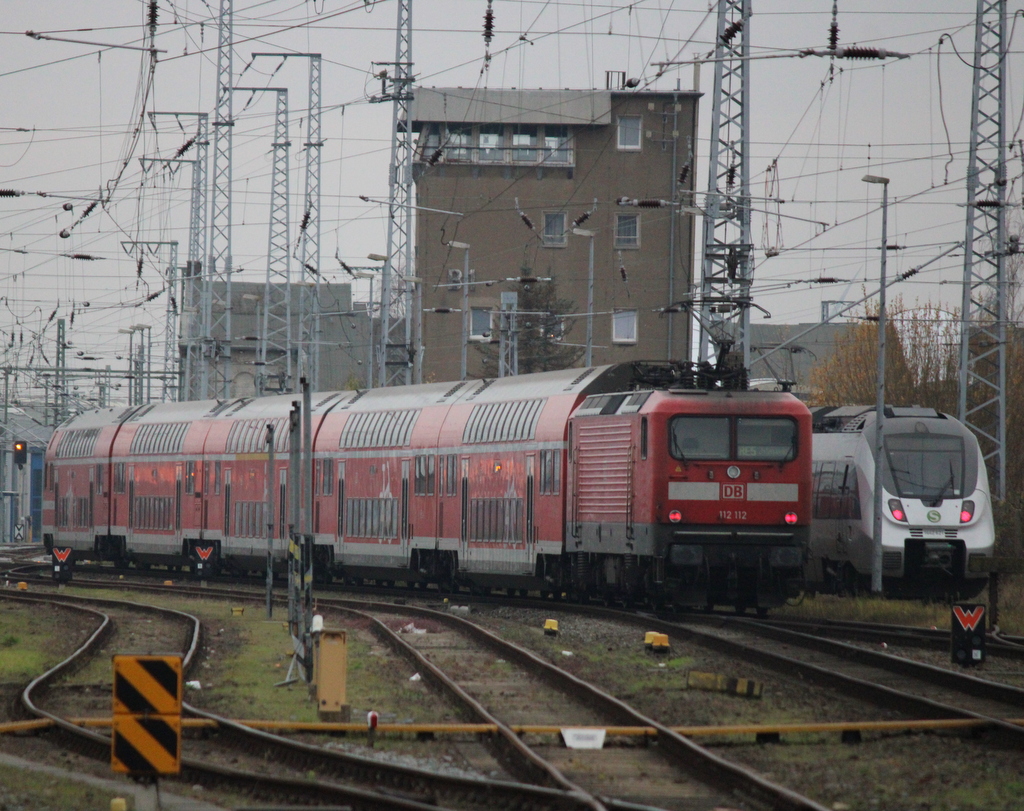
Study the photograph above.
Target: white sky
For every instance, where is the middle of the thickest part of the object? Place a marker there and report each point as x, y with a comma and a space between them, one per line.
69, 114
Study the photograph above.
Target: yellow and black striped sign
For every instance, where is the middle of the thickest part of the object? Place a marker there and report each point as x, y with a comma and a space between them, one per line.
146, 744
146, 737
147, 685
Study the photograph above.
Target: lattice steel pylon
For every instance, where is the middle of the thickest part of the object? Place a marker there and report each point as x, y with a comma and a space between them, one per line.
310, 311
215, 374
508, 336
728, 246
275, 345
193, 280
982, 405
398, 355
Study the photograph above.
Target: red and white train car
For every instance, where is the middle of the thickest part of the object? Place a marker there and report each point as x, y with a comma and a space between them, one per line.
459, 484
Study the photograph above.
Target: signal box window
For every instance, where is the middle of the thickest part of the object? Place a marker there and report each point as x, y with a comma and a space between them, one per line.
491, 143
555, 229
480, 324
556, 143
629, 132
762, 439
624, 327
699, 438
627, 230
524, 143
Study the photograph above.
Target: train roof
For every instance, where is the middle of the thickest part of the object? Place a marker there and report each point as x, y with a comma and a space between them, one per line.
853, 419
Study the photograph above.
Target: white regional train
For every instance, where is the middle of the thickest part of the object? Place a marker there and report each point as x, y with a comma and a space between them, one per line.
937, 513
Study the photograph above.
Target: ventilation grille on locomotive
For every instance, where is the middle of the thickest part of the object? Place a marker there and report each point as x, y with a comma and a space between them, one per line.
503, 422
77, 443
159, 437
250, 436
379, 429
947, 534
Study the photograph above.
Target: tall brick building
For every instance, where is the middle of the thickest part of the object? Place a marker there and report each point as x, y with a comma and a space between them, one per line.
494, 155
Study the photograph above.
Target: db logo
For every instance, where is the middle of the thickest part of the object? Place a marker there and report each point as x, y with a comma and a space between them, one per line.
733, 491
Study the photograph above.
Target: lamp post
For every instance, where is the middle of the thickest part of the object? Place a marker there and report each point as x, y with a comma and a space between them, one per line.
876, 564
588, 358
464, 246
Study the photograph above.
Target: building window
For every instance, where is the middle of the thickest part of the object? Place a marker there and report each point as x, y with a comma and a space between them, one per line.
458, 145
555, 229
624, 327
491, 143
627, 230
480, 324
629, 131
524, 143
556, 144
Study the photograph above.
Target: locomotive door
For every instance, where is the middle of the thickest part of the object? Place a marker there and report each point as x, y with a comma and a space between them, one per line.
177, 503
131, 504
464, 523
404, 528
530, 534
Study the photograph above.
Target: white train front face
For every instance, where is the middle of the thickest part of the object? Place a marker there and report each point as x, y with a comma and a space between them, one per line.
936, 509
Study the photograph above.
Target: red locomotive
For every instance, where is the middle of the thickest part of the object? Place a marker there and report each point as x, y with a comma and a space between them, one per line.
632, 482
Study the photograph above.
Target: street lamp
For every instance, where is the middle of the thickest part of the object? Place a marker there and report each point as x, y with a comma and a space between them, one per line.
464, 246
588, 358
876, 564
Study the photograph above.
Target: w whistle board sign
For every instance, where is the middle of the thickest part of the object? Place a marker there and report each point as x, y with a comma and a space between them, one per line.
146, 736
968, 634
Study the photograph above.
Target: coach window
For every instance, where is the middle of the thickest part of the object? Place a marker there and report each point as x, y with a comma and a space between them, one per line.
119, 477
926, 466
328, 477
216, 478
765, 439
643, 437
190, 477
99, 480
699, 438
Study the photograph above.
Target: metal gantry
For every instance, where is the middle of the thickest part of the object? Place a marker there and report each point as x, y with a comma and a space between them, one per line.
728, 247
275, 311
982, 405
508, 336
310, 328
398, 354
195, 284
215, 374
170, 382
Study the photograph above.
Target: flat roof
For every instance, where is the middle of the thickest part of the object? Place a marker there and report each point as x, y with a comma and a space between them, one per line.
478, 105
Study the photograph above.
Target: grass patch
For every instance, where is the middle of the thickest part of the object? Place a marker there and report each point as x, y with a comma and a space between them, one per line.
27, 640
23, 788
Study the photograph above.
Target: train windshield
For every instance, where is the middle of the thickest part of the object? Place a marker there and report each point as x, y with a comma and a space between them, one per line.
765, 439
926, 466
699, 438
757, 439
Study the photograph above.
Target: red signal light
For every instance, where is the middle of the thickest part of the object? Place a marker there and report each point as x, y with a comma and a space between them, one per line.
790, 518
675, 516
966, 512
896, 508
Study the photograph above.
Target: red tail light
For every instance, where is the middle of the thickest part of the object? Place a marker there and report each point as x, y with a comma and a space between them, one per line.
966, 512
896, 508
790, 518
675, 516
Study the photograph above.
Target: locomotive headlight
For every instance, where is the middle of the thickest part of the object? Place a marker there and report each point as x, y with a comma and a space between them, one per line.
966, 512
896, 508
675, 516
790, 518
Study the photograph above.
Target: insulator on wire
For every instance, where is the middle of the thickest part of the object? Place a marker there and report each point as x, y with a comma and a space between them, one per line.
526, 219
581, 219
827, 280
651, 203
311, 269
684, 174
732, 31
138, 267
11, 193
833, 29
435, 157
305, 219
858, 52
730, 176
622, 273
152, 296
151, 18
185, 147
68, 207
488, 24
86, 257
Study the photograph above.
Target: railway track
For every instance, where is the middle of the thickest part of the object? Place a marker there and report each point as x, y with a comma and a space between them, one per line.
377, 784
726, 779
